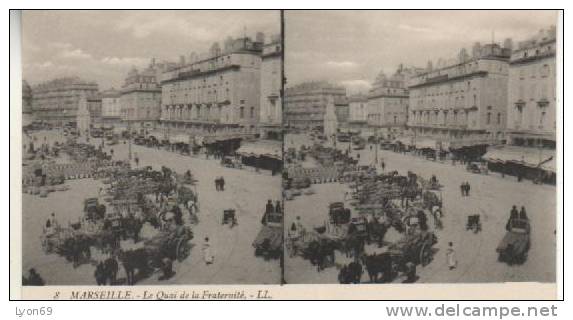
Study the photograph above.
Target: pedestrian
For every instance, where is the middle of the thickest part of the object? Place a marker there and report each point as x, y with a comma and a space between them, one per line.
451, 256
111, 152
522, 213
383, 165
222, 183
468, 189
513, 214
269, 207
136, 160
463, 189
278, 208
217, 184
208, 256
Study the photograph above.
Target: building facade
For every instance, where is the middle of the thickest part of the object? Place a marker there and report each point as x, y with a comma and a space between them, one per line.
27, 112
531, 117
56, 101
388, 102
462, 104
271, 89
94, 104
218, 92
140, 98
305, 104
111, 107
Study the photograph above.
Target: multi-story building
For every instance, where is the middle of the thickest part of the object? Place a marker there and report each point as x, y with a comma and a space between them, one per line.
388, 102
218, 92
531, 119
358, 108
94, 103
111, 107
140, 98
305, 104
531, 112
27, 112
56, 101
271, 89
342, 111
461, 105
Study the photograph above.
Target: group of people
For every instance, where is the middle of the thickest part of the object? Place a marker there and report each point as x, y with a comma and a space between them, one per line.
270, 209
220, 183
465, 188
515, 214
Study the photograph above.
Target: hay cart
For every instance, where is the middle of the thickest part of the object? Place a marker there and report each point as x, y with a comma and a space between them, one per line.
172, 244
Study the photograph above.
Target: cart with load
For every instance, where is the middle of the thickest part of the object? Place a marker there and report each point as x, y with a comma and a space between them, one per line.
514, 246
414, 247
269, 241
172, 244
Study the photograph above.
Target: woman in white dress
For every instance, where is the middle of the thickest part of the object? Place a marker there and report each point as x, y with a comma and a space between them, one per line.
208, 256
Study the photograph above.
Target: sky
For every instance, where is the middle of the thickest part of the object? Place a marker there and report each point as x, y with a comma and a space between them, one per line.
351, 47
102, 46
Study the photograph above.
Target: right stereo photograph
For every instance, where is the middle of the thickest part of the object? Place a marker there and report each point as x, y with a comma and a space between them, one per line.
420, 146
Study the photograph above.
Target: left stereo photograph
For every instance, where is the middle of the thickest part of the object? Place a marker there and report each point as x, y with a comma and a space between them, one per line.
151, 148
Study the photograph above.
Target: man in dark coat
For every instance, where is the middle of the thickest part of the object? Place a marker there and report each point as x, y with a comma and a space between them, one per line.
269, 207
522, 213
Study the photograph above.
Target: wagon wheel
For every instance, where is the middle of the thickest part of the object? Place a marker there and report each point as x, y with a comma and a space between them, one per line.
425, 255
181, 249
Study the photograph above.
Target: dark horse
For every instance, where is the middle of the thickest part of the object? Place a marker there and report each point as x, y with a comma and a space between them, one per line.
351, 273
379, 264
109, 269
132, 260
319, 251
76, 249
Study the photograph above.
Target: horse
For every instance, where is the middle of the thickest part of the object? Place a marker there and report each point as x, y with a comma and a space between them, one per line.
111, 267
354, 245
132, 260
100, 275
376, 231
351, 273
319, 251
378, 264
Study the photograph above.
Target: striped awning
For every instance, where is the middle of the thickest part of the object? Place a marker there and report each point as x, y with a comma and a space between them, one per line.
531, 157
261, 149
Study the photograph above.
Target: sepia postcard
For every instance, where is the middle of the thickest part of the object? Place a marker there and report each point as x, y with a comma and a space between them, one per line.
285, 154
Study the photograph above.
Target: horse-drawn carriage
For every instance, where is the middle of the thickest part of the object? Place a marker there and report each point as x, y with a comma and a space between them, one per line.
338, 214
414, 247
229, 217
269, 240
229, 162
93, 210
172, 244
474, 223
515, 245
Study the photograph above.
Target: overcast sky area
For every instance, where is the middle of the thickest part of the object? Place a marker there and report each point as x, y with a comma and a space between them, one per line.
351, 47
102, 46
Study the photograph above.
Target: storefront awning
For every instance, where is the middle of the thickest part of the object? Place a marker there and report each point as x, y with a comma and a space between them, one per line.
269, 149
179, 138
531, 157
549, 165
426, 144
